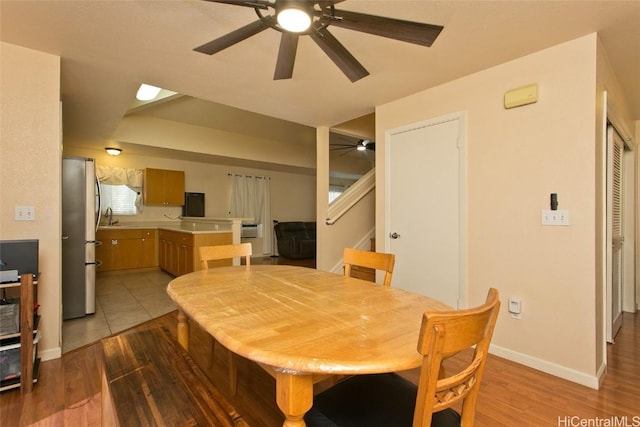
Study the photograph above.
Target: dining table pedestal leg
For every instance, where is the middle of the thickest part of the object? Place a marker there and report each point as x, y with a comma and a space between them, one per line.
294, 395
183, 330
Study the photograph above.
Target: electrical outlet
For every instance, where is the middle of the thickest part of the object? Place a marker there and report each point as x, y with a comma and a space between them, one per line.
25, 213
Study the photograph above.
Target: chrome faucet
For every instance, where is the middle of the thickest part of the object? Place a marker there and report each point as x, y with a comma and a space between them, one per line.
109, 214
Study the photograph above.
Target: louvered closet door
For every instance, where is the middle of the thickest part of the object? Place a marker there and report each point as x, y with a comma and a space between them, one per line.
615, 231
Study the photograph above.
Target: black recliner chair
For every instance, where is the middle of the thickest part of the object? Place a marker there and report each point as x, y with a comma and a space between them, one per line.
296, 239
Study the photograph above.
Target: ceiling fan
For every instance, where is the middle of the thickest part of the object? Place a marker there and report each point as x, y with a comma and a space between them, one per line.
316, 16
357, 145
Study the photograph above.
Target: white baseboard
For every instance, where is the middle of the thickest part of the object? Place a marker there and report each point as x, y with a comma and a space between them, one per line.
364, 244
50, 354
591, 381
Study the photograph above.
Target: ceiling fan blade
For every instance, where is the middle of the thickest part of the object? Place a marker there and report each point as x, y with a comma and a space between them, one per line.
327, 3
397, 29
260, 4
235, 36
286, 56
339, 54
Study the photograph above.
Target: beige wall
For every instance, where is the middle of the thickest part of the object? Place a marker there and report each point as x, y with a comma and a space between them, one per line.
157, 132
516, 158
30, 170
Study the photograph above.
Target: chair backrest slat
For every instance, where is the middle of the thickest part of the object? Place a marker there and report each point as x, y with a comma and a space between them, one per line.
446, 333
212, 253
375, 260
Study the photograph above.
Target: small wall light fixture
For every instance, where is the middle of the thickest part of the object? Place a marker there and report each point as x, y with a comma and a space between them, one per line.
113, 151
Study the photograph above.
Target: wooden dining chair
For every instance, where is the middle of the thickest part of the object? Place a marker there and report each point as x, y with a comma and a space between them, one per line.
389, 399
221, 252
368, 259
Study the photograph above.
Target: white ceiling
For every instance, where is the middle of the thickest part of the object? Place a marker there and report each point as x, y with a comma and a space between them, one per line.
109, 47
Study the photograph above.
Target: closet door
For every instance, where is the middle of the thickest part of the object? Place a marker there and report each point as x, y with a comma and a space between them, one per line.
425, 223
615, 232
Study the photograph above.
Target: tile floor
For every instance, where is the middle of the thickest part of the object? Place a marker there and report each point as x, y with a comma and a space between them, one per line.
126, 299
123, 300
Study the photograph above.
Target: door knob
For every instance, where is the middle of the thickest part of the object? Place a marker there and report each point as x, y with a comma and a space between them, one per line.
394, 235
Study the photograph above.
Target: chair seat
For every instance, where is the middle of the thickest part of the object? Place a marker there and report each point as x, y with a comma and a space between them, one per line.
371, 401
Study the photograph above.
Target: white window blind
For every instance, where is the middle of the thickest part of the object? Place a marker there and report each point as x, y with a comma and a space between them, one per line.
120, 198
121, 189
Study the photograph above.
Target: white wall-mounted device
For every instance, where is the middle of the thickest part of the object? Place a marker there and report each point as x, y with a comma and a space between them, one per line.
515, 308
521, 96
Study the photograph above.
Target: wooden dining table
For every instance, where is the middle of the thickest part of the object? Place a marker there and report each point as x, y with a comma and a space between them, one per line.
303, 325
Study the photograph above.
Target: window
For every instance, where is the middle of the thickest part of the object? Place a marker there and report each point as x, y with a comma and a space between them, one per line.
120, 198
120, 189
335, 191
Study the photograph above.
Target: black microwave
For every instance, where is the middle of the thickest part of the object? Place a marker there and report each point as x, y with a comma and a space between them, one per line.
193, 204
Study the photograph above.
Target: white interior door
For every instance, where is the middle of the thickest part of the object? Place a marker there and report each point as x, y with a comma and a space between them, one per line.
423, 202
615, 232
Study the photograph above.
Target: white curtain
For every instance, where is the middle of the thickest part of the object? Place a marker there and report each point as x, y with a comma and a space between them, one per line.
132, 178
251, 198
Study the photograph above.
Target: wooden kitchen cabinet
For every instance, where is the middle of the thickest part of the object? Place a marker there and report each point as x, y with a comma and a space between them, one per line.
179, 250
185, 258
163, 252
127, 253
163, 187
149, 249
126, 249
104, 253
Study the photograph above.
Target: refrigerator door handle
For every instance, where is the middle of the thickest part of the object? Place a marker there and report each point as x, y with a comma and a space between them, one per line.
99, 201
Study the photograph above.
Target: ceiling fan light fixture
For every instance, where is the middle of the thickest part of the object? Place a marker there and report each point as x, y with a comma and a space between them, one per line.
112, 151
362, 144
293, 16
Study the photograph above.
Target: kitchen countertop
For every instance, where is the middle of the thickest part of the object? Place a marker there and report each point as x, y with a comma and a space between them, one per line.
176, 227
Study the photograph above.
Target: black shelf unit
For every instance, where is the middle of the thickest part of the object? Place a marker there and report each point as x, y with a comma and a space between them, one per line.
26, 339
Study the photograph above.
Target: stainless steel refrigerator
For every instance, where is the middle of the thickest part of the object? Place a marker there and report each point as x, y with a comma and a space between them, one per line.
80, 217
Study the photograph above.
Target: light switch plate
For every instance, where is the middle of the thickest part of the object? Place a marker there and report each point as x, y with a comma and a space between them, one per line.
558, 217
25, 213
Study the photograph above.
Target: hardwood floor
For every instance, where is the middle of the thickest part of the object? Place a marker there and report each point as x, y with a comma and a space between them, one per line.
68, 389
